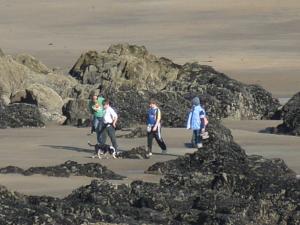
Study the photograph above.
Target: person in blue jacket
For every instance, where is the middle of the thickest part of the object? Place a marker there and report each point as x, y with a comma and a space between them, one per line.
154, 127
196, 121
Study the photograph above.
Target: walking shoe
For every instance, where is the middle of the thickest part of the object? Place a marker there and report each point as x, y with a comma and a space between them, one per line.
164, 151
199, 146
150, 153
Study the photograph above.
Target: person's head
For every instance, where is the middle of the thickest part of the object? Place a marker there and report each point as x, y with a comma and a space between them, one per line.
106, 104
152, 103
196, 101
94, 98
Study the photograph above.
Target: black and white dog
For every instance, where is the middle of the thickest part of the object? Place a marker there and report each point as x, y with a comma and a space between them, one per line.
102, 149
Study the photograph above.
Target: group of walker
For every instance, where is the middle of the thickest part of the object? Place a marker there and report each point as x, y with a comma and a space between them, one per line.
104, 120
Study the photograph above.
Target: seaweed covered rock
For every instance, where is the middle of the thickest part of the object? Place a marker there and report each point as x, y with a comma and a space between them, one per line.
130, 76
291, 117
22, 83
32, 63
218, 185
224, 97
20, 115
67, 169
124, 66
135, 153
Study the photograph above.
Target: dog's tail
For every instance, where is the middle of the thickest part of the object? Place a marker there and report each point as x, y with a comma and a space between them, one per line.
91, 144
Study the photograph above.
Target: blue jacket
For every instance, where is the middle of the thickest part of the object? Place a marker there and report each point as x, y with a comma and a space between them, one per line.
196, 118
152, 115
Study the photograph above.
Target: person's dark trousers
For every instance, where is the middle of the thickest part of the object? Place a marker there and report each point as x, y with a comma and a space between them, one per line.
157, 135
112, 135
99, 125
197, 136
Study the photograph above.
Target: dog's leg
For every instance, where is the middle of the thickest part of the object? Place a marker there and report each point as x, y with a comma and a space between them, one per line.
113, 150
99, 154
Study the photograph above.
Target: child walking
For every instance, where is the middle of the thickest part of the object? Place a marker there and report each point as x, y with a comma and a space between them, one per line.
154, 127
196, 122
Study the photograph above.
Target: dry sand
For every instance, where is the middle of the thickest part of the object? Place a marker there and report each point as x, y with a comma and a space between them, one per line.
252, 41
50, 146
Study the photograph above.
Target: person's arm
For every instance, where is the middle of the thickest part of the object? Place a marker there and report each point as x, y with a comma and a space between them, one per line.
188, 124
114, 117
90, 107
158, 118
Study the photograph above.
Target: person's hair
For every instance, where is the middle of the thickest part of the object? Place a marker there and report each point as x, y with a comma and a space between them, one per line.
153, 101
92, 94
107, 102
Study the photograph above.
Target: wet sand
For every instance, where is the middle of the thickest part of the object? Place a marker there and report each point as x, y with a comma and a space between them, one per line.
27, 147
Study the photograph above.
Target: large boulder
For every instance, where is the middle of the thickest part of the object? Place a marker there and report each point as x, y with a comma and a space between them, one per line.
291, 117
32, 63
129, 76
20, 115
27, 84
124, 66
47, 100
77, 112
223, 96
67, 169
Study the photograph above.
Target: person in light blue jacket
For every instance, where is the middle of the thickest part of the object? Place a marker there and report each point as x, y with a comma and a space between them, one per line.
196, 121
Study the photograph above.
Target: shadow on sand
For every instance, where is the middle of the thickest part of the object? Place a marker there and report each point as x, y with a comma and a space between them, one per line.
70, 148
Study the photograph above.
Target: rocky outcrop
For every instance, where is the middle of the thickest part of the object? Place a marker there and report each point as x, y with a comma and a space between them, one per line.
135, 153
67, 169
223, 97
291, 117
77, 112
46, 99
129, 76
20, 115
32, 63
218, 185
21, 84
124, 67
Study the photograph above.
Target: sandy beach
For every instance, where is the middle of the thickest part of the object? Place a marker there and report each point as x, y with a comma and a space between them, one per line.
256, 42
28, 147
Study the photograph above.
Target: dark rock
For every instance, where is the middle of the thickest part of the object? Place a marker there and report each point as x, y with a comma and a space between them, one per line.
20, 115
135, 153
223, 97
77, 112
124, 66
67, 169
291, 117
219, 184
130, 76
